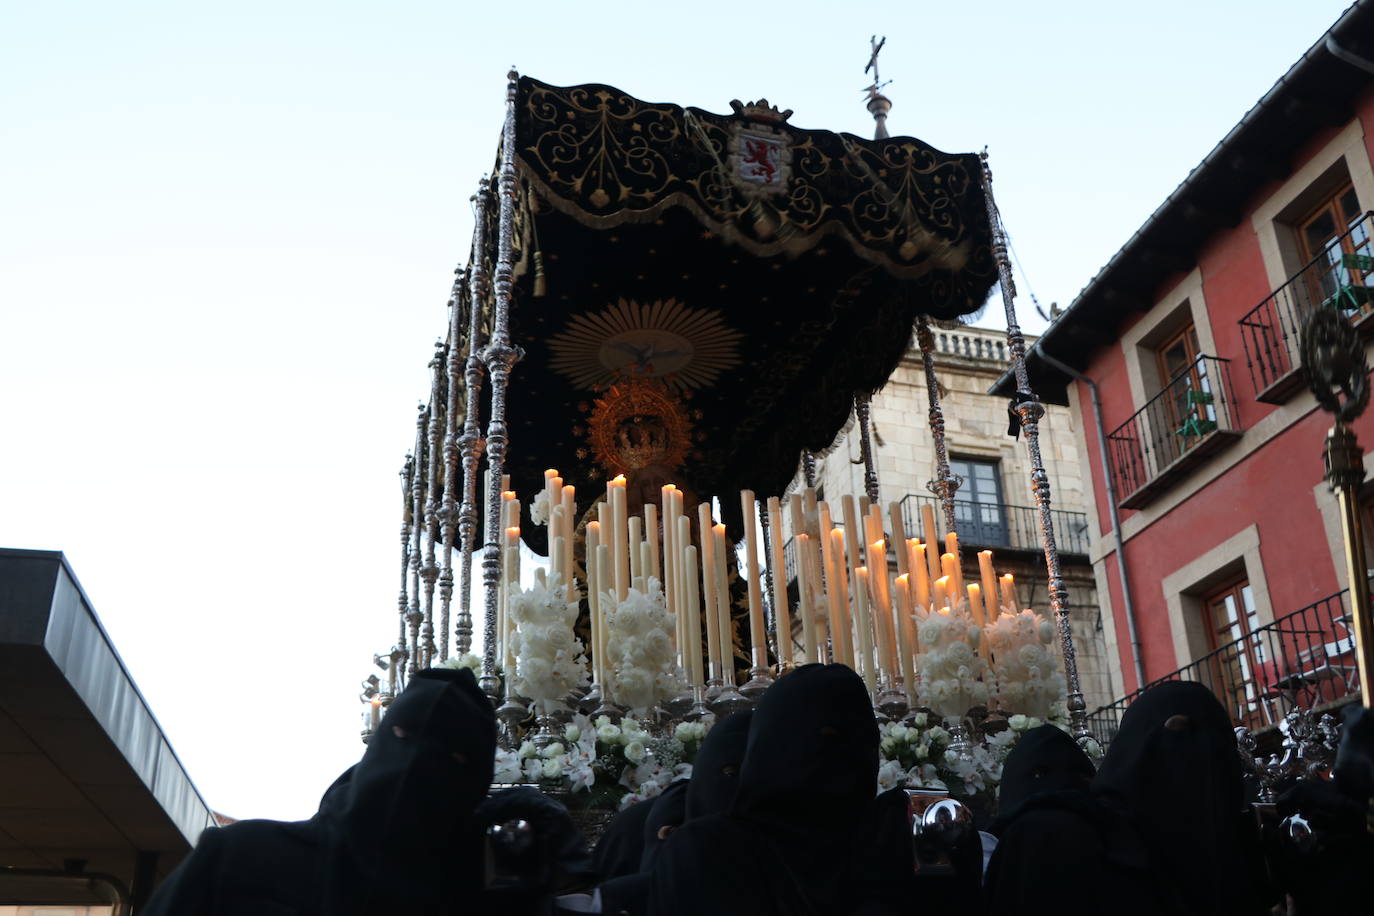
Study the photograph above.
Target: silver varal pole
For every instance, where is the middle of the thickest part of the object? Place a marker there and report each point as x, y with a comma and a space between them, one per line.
470, 443
946, 482
1029, 409
500, 356
448, 512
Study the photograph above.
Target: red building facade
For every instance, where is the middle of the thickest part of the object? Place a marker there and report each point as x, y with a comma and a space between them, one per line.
1218, 551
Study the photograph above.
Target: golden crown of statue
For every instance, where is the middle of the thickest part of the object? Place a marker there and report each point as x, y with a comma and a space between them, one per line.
638, 422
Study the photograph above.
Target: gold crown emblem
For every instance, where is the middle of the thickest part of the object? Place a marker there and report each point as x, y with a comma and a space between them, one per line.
760, 111
637, 422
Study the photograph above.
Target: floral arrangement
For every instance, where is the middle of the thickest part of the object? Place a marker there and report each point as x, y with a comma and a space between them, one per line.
1027, 680
949, 667
641, 659
549, 656
466, 660
614, 765
914, 756
539, 509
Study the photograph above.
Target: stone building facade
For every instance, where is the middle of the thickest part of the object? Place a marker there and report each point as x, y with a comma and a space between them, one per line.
994, 505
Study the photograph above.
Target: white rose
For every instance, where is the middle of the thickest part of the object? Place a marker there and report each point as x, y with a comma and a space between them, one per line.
920, 720
553, 768
553, 750
528, 750
922, 751
634, 752
1033, 722
608, 732
937, 734
571, 733
1018, 722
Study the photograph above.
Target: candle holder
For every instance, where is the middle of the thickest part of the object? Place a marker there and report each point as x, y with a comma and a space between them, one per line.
677, 707
960, 747
730, 701
591, 700
608, 709
891, 700
714, 686
510, 714
699, 711
546, 733
760, 679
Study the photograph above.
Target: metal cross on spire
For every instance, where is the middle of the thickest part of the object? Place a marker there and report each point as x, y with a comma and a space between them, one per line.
878, 104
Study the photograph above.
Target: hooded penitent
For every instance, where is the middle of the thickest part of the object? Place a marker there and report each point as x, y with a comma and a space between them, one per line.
808, 775
1060, 851
715, 771
392, 833
1045, 762
1174, 774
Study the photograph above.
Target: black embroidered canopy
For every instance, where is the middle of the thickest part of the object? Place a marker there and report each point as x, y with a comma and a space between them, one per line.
731, 281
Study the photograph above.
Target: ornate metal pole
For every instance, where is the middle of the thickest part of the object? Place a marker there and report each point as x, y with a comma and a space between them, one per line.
500, 357
429, 572
765, 529
809, 468
863, 413
946, 482
1334, 358
417, 502
403, 602
448, 513
1030, 410
471, 442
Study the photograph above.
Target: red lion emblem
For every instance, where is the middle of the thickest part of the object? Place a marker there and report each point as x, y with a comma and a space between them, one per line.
759, 154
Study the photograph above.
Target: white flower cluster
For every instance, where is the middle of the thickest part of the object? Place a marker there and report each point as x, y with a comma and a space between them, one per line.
1027, 680
641, 659
466, 660
539, 509
548, 656
949, 664
585, 750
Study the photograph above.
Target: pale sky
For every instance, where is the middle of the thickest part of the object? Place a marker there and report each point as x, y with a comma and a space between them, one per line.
227, 235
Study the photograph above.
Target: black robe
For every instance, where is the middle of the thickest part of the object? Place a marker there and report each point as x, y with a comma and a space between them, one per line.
715, 776
1173, 776
786, 844
393, 834
1058, 849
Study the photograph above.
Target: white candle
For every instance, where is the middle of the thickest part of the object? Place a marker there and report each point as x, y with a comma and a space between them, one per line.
988, 577
724, 618
376, 705
1009, 593
941, 596
636, 555
594, 588
931, 536
708, 588
801, 545
651, 538
906, 636
863, 626
882, 607
556, 551
620, 559
604, 576
916, 566
758, 637
837, 589
569, 527
693, 608
894, 518
949, 565
782, 613
975, 603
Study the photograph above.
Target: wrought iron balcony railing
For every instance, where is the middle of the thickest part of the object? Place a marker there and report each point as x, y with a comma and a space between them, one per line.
1341, 277
1191, 418
988, 525
1304, 660
998, 525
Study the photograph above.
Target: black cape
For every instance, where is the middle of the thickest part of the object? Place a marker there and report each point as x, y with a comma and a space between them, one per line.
392, 834
1059, 850
786, 844
1173, 775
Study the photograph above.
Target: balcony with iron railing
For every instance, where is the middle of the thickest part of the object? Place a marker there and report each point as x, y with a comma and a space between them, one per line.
1303, 660
1192, 418
1340, 277
989, 525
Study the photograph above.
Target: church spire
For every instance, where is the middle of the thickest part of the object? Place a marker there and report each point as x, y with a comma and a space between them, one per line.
878, 104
